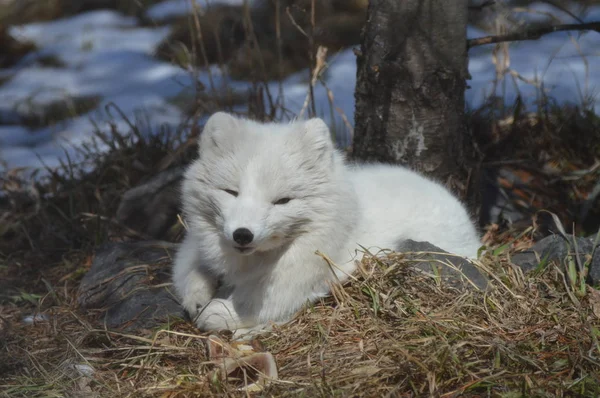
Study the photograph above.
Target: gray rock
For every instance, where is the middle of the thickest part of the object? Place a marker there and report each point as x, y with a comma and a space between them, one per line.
129, 282
151, 208
448, 274
558, 248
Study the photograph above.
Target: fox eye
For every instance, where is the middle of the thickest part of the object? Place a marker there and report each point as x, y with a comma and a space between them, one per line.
231, 192
282, 201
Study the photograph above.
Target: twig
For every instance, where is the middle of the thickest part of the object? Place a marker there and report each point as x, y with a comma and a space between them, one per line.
321, 64
330, 96
249, 28
198, 27
532, 34
293, 21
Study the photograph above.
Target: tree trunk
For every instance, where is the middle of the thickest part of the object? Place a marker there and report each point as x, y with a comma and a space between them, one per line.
411, 81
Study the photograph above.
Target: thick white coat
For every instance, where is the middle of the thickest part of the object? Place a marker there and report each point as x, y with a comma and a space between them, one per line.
333, 208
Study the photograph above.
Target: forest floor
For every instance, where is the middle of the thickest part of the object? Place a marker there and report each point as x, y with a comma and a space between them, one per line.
388, 332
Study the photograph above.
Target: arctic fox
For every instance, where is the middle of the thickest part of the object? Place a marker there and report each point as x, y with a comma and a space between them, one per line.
261, 199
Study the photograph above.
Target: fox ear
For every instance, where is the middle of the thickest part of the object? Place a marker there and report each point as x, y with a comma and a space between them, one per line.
219, 132
317, 136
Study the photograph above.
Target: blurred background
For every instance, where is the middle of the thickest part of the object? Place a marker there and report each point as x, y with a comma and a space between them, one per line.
88, 83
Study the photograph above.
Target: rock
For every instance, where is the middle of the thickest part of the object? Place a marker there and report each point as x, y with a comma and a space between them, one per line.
12, 50
127, 281
151, 208
448, 274
557, 248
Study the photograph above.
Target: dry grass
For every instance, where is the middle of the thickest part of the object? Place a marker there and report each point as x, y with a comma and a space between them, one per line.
73, 207
390, 332
266, 42
397, 332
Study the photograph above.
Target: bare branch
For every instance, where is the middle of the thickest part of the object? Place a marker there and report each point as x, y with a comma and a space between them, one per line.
532, 34
563, 9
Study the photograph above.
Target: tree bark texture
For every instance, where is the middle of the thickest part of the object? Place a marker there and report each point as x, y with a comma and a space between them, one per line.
411, 79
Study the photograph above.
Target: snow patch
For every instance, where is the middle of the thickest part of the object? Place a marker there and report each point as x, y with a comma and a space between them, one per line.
108, 56
177, 8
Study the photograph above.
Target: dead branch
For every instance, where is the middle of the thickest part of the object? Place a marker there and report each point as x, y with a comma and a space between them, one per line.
532, 34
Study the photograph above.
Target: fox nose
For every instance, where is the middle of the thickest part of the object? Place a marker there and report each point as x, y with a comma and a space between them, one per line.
242, 236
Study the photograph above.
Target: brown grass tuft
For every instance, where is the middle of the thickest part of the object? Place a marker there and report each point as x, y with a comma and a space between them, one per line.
397, 332
392, 331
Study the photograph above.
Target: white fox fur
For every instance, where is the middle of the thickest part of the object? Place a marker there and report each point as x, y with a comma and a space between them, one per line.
332, 207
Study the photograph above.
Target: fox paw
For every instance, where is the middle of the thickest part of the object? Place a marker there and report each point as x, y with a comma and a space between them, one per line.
193, 302
217, 315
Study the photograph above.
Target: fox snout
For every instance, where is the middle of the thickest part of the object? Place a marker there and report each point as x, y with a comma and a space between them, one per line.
243, 236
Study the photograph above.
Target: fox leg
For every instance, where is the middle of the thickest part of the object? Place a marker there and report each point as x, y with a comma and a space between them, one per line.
194, 285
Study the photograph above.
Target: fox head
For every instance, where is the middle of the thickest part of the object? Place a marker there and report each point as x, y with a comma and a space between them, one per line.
260, 186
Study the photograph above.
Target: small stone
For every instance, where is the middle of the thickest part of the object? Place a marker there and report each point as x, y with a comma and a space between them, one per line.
558, 248
438, 257
37, 318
